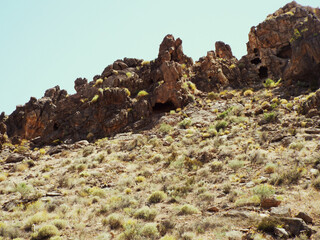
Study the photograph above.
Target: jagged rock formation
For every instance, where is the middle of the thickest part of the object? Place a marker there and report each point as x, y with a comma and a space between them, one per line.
217, 70
126, 94
111, 103
286, 45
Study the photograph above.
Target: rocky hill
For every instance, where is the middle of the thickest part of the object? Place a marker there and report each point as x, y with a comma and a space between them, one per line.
219, 148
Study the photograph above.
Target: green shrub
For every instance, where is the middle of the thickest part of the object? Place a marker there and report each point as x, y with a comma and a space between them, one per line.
157, 197
235, 164
165, 128
24, 189
213, 95
221, 125
115, 221
188, 209
316, 183
216, 166
264, 191
168, 237
45, 232
270, 117
142, 93
150, 231
145, 213
268, 224
185, 123
60, 223
35, 219
95, 98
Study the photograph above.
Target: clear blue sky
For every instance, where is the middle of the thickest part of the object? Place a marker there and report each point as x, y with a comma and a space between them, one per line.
46, 43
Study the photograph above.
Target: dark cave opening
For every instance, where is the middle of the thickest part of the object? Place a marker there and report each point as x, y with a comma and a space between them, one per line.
163, 107
256, 51
55, 127
256, 61
285, 52
263, 72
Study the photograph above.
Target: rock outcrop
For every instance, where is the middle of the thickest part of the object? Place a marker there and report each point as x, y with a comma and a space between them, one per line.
286, 45
122, 98
217, 70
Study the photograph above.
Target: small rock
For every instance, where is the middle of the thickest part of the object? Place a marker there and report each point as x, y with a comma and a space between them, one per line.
269, 202
295, 226
14, 158
234, 235
312, 131
213, 209
81, 143
314, 172
263, 179
250, 184
305, 217
281, 211
281, 232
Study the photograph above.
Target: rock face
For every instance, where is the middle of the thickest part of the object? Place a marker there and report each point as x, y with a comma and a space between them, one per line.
286, 45
111, 103
217, 70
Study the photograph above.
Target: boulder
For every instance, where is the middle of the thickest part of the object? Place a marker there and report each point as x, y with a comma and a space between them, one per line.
14, 158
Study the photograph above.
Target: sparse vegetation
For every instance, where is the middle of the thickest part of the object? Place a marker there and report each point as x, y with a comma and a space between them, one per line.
156, 197
142, 93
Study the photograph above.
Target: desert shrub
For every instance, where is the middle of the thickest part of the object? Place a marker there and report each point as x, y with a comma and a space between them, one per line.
236, 164
185, 123
35, 219
130, 230
95, 98
296, 145
142, 93
165, 128
270, 117
98, 192
45, 232
316, 183
149, 231
87, 151
269, 83
216, 166
188, 236
60, 223
24, 189
268, 224
115, 221
156, 197
221, 125
264, 191
188, 209
168, 237
248, 92
213, 95
270, 168
145, 213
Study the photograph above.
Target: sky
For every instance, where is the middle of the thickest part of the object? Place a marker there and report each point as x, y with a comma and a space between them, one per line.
46, 43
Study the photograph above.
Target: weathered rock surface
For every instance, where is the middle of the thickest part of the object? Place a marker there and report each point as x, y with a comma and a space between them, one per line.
217, 70
286, 45
109, 104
